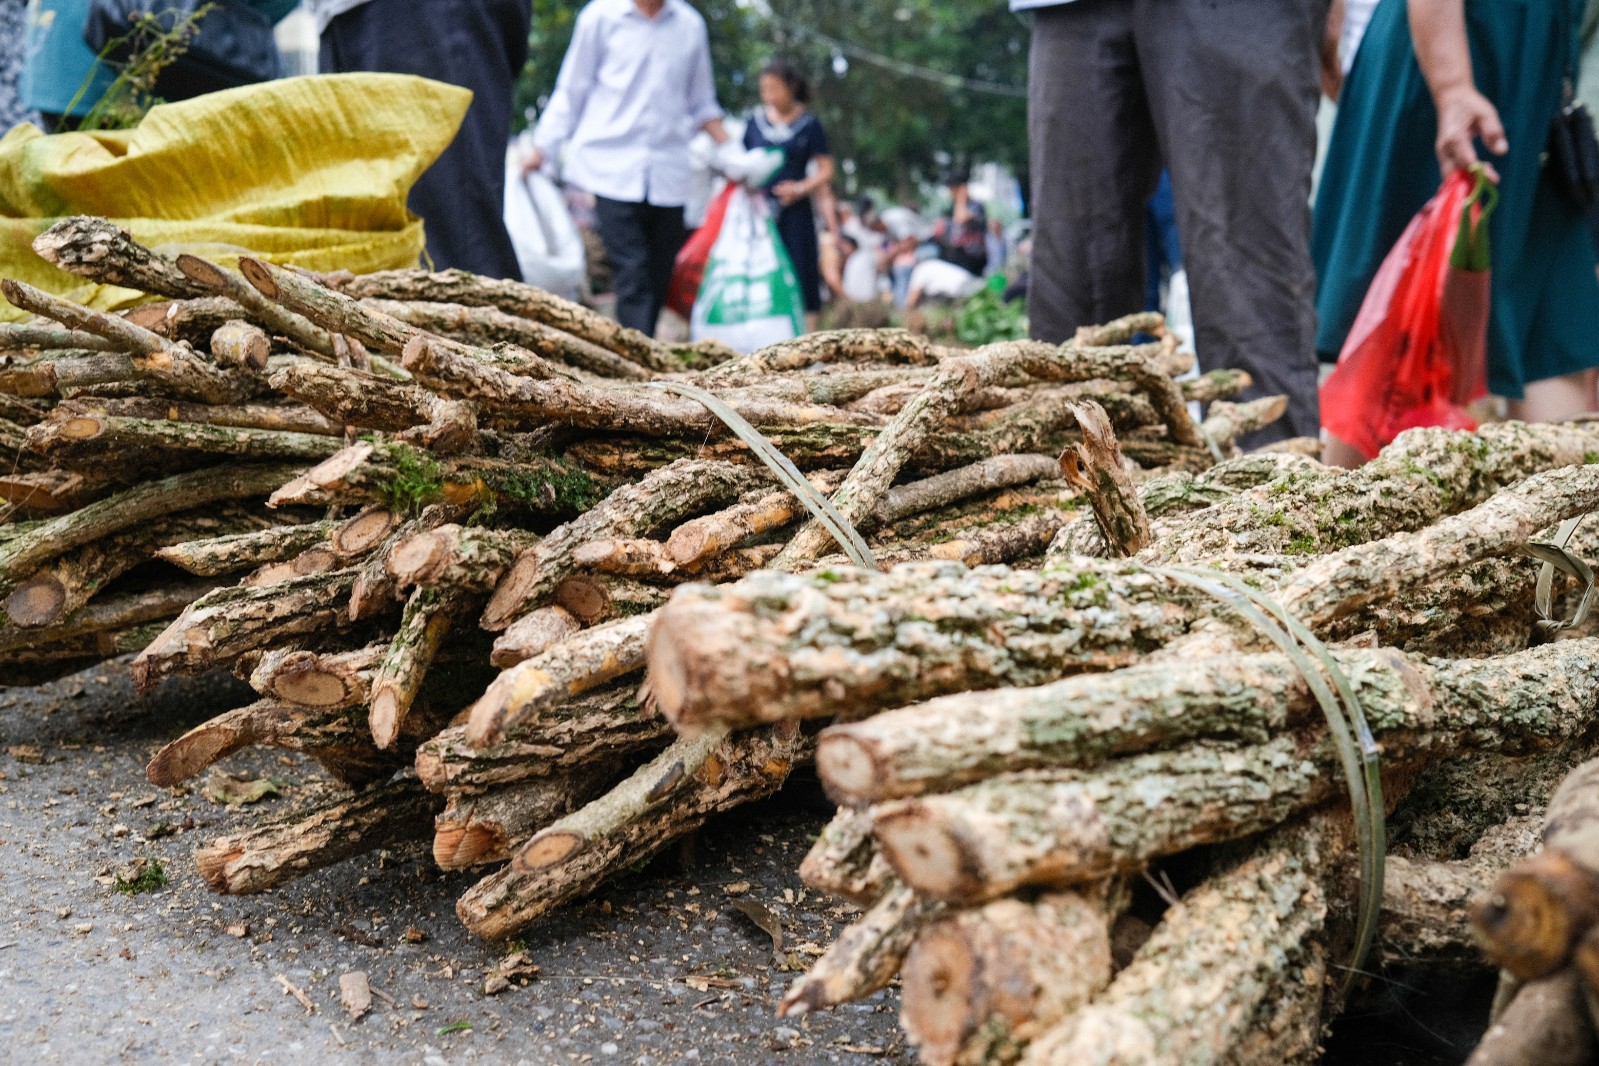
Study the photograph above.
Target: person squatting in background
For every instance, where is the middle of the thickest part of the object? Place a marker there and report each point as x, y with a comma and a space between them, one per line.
784, 120
634, 87
1432, 80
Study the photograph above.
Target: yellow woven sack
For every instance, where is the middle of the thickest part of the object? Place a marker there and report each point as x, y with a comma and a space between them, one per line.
312, 171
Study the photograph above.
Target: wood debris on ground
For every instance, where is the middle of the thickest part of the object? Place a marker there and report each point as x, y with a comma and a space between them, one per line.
487, 558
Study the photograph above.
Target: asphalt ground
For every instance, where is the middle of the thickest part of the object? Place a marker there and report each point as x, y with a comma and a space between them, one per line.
661, 966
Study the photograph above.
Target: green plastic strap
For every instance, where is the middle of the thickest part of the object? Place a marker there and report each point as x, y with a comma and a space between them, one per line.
1346, 722
848, 537
1554, 556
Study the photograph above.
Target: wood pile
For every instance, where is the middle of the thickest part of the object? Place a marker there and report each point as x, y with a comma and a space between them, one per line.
516, 577
430, 518
1015, 750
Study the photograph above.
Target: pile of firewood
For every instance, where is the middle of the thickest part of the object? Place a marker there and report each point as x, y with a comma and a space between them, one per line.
1013, 748
443, 524
389, 500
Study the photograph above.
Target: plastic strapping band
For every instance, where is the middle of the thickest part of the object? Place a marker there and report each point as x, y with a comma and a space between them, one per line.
1554, 556
848, 537
1352, 736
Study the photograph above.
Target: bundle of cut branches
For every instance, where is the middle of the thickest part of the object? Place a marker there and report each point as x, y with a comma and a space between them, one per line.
429, 518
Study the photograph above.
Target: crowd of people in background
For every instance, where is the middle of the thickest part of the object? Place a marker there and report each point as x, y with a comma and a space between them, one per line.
1147, 119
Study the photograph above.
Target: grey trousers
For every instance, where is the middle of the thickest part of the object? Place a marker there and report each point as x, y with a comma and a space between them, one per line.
1224, 94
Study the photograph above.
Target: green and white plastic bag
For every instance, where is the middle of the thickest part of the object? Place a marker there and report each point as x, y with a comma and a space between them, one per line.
750, 296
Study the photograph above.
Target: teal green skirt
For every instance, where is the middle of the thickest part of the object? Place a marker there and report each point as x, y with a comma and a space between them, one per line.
1381, 169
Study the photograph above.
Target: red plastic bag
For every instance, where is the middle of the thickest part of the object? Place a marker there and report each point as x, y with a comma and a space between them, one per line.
1417, 353
688, 270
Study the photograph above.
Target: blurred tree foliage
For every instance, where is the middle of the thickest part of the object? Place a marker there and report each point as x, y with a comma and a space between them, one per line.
896, 80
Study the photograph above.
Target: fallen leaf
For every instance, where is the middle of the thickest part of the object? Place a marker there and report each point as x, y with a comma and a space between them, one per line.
25, 753
238, 929
765, 918
355, 993
737, 888
235, 791
413, 935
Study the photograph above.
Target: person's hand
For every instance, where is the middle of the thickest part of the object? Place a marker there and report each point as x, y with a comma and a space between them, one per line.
1332, 68
1464, 115
534, 161
788, 192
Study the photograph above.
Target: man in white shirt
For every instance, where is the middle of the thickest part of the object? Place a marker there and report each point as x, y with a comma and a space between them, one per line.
634, 88
1225, 94
477, 44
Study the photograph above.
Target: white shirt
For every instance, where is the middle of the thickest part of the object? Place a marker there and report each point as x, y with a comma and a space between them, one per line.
631, 93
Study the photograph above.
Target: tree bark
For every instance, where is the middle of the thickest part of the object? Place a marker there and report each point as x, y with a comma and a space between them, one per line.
597, 598
456, 557
664, 496
241, 346
1191, 994
1085, 721
21, 556
1095, 469
1355, 577
515, 298
747, 768
712, 534
624, 804
84, 439
488, 325
533, 634
1424, 913
20, 336
623, 408
592, 728
865, 957
1543, 906
325, 680
962, 483
474, 830
848, 642
428, 617
281, 320
93, 248
74, 578
845, 861
307, 840
152, 358
1422, 476
526, 692
978, 985
221, 626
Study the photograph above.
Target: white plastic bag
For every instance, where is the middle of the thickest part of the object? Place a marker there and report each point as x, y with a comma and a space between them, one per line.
750, 296
549, 249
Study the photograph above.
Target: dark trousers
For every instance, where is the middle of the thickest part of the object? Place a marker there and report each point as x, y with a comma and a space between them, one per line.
479, 45
1226, 95
641, 244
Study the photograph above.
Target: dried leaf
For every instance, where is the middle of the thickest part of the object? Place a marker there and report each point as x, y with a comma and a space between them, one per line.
765, 917
234, 790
